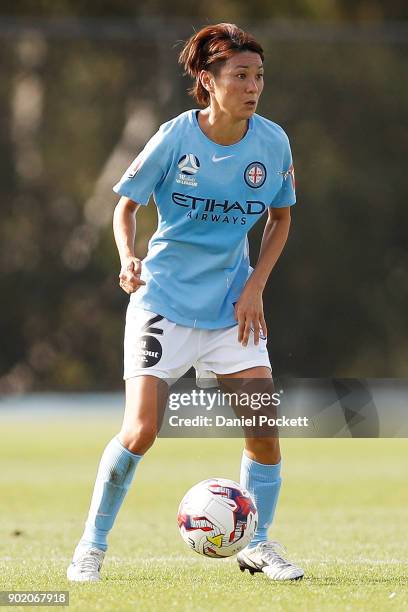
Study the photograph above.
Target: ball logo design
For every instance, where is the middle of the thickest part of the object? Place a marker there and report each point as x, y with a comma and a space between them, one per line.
189, 164
255, 174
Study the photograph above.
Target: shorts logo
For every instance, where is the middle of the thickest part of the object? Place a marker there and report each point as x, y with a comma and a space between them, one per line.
188, 165
255, 174
148, 351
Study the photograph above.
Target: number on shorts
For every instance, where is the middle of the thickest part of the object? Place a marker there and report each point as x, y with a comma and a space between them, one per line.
153, 330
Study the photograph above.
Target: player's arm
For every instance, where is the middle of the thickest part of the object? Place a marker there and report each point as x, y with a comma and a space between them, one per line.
273, 240
124, 230
249, 308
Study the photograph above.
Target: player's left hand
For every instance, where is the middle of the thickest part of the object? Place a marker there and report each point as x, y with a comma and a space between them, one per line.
249, 314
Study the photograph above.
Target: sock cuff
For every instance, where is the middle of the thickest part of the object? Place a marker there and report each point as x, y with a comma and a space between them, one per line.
123, 449
261, 471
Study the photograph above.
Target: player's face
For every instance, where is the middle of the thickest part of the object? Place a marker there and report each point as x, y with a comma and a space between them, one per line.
239, 84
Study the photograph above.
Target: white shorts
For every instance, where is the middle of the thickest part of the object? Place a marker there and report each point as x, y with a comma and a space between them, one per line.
154, 345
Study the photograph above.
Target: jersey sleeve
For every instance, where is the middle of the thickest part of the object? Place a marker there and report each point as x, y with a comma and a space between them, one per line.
146, 171
286, 195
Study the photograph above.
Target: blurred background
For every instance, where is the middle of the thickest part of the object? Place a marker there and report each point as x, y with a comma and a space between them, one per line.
83, 87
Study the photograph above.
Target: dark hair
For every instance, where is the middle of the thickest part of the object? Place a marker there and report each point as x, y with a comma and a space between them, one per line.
209, 48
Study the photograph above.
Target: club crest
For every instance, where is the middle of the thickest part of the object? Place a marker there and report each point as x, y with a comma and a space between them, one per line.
255, 174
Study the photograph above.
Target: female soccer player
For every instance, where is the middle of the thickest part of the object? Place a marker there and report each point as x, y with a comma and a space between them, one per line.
195, 300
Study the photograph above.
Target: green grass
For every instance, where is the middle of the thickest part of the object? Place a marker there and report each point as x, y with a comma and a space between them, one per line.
342, 515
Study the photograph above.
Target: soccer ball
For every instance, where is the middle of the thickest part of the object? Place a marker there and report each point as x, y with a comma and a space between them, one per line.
217, 518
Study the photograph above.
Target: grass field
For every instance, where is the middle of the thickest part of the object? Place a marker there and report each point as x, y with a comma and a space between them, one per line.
343, 515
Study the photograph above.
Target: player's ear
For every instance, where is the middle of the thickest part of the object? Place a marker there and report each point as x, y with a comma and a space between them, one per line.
207, 80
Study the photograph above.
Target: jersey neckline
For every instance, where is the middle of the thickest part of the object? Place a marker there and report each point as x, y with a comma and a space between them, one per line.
194, 121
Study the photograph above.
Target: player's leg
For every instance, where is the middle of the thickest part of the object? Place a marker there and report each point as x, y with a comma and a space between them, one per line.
155, 350
260, 464
146, 398
248, 369
261, 459
261, 476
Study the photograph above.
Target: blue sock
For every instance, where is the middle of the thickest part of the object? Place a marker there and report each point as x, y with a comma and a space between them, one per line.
263, 482
115, 474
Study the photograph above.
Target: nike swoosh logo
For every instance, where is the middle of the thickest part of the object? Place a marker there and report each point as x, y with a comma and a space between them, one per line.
217, 159
253, 564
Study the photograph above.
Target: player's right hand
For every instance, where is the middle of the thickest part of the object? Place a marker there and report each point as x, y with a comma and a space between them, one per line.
129, 276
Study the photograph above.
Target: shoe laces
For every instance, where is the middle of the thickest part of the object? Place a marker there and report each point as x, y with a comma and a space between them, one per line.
90, 560
271, 555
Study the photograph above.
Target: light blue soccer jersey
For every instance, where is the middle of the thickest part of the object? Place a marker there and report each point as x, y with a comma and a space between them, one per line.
208, 196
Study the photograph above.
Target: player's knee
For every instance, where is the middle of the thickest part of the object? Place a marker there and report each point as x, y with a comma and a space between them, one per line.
264, 449
266, 444
138, 439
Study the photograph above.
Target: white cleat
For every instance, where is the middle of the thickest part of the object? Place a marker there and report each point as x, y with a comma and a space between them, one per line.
265, 558
86, 565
